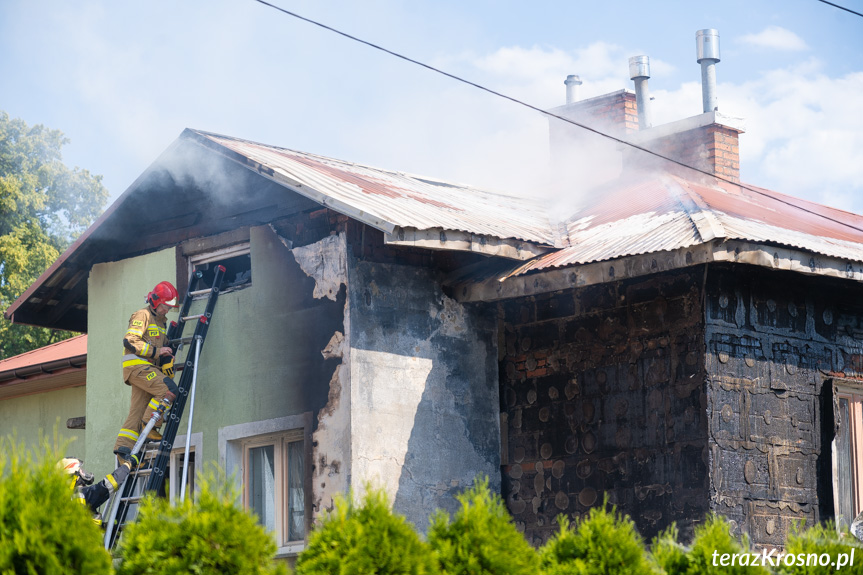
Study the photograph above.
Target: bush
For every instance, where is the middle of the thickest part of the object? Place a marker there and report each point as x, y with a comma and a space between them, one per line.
209, 537
41, 529
481, 539
605, 542
820, 540
713, 539
365, 538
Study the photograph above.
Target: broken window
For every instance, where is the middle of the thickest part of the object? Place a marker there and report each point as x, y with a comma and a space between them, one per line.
273, 486
238, 266
847, 458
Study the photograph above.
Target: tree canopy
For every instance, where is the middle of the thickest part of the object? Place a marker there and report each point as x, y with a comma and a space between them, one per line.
44, 206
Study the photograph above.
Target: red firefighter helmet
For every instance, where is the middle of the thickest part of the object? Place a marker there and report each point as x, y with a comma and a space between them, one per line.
163, 293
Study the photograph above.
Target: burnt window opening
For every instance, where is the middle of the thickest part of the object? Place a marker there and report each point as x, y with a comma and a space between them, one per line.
237, 261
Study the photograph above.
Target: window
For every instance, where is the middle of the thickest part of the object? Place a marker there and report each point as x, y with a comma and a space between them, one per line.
175, 466
271, 461
847, 458
273, 485
237, 261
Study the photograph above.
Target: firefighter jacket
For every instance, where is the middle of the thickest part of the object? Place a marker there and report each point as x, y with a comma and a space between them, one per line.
141, 343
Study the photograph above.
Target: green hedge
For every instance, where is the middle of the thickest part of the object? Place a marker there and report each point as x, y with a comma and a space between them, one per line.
42, 531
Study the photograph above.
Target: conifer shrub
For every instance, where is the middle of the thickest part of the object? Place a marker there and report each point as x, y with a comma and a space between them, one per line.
41, 529
364, 538
481, 538
604, 542
210, 536
712, 540
819, 548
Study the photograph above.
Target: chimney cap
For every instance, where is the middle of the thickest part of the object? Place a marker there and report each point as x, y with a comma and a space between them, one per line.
639, 67
707, 45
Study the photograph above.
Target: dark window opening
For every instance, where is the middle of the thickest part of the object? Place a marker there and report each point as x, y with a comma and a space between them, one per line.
238, 272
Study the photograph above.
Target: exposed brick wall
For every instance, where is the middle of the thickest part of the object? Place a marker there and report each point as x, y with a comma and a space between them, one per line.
773, 341
603, 394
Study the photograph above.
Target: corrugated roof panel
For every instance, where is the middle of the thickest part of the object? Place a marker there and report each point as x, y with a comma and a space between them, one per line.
401, 199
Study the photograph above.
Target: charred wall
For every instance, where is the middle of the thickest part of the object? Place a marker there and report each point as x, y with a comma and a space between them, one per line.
602, 391
773, 341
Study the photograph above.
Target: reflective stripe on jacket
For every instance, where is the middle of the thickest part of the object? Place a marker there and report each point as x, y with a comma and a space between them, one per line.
142, 340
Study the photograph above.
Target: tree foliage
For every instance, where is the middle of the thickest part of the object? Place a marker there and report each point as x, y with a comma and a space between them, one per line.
44, 206
365, 537
481, 539
211, 536
604, 542
41, 529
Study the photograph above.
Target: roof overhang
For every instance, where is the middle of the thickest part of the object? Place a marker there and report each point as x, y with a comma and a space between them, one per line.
497, 284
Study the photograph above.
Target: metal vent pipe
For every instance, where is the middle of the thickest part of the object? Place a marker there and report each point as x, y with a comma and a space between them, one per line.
707, 50
639, 72
572, 83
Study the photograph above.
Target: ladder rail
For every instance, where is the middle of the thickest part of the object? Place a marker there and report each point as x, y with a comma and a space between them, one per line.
191, 418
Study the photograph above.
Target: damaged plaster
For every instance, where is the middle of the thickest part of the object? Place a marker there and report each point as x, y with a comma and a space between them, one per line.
324, 262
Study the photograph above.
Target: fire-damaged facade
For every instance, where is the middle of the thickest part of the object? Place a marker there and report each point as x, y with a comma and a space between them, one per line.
681, 344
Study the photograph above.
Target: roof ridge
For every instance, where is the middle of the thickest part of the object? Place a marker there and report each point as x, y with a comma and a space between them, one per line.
700, 214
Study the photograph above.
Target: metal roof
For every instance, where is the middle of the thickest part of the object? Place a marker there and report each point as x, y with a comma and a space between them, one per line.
396, 198
643, 214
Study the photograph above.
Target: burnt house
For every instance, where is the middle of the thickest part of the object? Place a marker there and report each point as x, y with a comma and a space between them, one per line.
679, 344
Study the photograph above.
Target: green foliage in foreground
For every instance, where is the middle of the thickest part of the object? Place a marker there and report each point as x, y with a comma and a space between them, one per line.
212, 536
42, 531
815, 542
365, 537
604, 542
481, 539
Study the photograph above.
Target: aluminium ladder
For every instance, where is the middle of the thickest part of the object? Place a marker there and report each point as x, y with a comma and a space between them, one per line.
149, 475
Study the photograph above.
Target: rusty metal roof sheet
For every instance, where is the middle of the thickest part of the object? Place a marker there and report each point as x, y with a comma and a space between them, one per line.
397, 198
645, 214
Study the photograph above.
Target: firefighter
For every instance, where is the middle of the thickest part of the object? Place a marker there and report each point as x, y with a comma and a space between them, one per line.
144, 350
83, 490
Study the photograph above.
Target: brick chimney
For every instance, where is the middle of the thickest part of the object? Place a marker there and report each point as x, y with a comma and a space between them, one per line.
582, 158
708, 142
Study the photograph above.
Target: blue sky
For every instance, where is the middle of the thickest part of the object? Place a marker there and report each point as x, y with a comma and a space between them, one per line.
122, 80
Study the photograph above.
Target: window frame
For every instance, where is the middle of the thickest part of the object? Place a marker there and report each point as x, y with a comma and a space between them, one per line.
234, 444
177, 452
853, 393
280, 442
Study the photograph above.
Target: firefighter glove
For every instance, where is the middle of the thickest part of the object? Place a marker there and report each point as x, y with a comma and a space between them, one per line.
168, 368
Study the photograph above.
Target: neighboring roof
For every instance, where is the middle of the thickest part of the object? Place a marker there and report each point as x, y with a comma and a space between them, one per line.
643, 214
55, 366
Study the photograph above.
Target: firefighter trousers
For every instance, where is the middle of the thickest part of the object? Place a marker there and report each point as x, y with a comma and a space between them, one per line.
149, 387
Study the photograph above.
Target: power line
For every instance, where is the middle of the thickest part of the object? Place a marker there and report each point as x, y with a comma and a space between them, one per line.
549, 114
841, 7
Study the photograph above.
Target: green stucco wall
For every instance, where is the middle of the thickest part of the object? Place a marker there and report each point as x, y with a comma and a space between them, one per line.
27, 416
115, 291
261, 359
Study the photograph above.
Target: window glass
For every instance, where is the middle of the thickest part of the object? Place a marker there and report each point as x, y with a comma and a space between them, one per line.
845, 513
296, 503
262, 483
